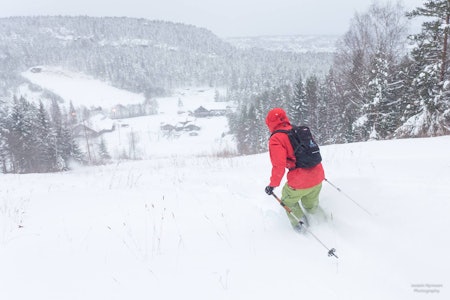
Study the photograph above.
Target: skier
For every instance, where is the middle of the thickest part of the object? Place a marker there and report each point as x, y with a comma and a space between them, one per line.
302, 184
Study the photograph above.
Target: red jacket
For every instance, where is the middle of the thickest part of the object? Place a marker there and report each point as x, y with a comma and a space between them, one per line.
282, 156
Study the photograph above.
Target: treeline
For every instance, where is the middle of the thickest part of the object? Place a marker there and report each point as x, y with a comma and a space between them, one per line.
374, 89
35, 139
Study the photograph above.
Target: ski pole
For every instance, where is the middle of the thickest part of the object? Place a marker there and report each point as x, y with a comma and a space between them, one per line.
348, 197
331, 252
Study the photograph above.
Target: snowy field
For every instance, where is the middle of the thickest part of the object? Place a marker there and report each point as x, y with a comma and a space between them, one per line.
202, 228
77, 87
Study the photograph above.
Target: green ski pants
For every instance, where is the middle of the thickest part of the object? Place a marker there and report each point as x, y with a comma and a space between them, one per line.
309, 198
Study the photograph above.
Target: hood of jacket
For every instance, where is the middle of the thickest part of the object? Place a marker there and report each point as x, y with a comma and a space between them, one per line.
277, 119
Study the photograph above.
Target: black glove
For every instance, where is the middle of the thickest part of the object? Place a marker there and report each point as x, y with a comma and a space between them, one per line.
269, 190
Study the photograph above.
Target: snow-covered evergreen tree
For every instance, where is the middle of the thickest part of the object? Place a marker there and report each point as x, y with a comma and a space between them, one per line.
380, 30
331, 116
4, 151
29, 140
313, 104
21, 140
297, 108
57, 135
45, 141
103, 153
73, 118
247, 131
428, 112
379, 114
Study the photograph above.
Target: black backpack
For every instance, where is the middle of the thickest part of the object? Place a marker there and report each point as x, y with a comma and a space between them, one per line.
307, 153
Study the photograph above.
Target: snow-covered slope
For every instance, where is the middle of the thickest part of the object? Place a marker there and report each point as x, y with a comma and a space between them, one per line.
78, 88
202, 228
183, 223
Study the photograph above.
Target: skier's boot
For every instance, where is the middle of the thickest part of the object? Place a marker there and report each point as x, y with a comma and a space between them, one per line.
300, 226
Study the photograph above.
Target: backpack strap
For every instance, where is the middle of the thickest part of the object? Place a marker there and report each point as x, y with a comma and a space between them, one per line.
280, 130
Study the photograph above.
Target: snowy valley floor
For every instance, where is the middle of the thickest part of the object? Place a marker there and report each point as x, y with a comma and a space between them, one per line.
203, 228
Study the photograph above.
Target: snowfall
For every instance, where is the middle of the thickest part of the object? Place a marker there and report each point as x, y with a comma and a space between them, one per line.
183, 222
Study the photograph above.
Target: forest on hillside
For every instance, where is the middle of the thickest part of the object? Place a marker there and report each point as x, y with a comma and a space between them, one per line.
143, 56
375, 88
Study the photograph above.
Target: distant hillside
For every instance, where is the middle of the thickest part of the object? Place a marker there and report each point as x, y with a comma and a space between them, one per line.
139, 55
288, 43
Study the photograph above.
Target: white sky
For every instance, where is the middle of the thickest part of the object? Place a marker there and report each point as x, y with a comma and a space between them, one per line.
226, 18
